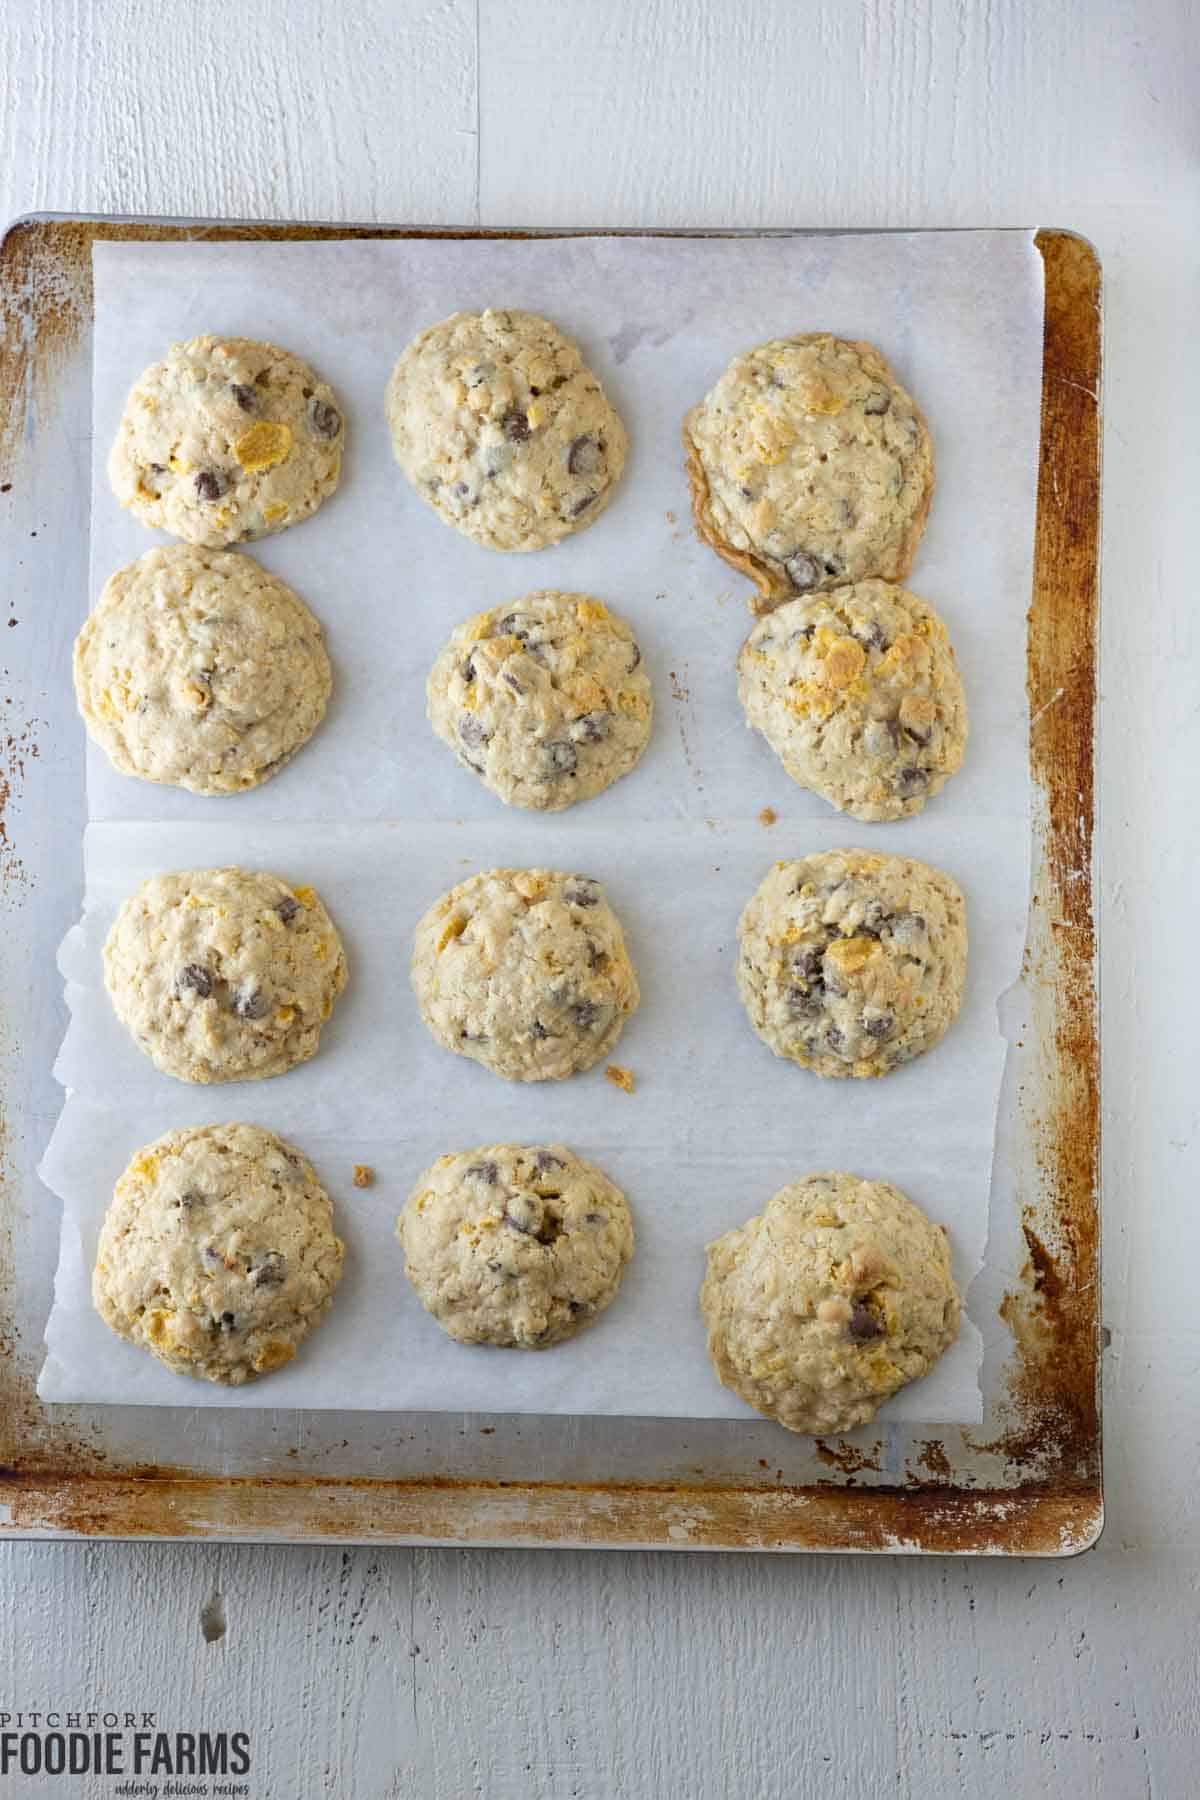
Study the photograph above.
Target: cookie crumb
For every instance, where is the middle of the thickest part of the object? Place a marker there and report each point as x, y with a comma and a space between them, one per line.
364, 1175
767, 816
622, 1078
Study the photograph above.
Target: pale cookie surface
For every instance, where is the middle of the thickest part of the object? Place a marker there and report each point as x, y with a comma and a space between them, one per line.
835, 1296
515, 1245
223, 974
502, 428
545, 699
810, 466
199, 669
858, 694
217, 1252
226, 439
851, 964
525, 971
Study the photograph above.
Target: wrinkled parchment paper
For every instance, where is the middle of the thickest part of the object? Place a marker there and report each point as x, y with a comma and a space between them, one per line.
378, 816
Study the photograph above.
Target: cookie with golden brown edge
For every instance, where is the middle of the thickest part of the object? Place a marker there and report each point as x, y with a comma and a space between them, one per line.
810, 467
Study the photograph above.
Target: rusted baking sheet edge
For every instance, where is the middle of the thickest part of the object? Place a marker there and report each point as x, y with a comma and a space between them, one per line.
1046, 1448
1048, 1522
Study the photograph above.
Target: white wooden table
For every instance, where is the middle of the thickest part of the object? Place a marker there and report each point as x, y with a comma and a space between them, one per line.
444, 1674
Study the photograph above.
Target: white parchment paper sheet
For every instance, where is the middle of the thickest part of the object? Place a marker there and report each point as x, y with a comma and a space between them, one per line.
379, 817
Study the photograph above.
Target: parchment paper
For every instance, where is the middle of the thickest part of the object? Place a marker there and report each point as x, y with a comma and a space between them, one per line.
376, 814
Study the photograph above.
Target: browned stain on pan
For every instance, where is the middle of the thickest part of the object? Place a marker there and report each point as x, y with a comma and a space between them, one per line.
1044, 1521
1053, 1420
54, 1477
20, 1420
848, 1459
18, 744
933, 1459
45, 302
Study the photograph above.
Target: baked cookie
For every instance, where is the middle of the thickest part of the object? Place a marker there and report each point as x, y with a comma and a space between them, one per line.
545, 699
835, 1296
217, 1252
809, 466
515, 1245
503, 429
525, 971
859, 695
199, 669
851, 963
226, 439
223, 974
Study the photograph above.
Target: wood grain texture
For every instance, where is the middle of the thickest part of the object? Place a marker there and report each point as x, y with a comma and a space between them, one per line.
276, 109
437, 1675
813, 112
379, 1675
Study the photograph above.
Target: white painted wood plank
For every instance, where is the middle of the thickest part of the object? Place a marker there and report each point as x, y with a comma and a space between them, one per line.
268, 109
827, 112
535, 1676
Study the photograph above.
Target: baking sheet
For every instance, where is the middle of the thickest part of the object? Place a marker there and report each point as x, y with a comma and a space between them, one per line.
716, 1123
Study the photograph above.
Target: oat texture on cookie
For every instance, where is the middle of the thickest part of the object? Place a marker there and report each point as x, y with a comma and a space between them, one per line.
223, 974
225, 440
217, 1253
515, 1245
502, 428
850, 963
858, 693
199, 669
824, 1305
810, 467
545, 698
524, 971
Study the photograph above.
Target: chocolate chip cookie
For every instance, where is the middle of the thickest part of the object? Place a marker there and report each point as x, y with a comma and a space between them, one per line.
546, 699
217, 1253
859, 695
525, 971
835, 1296
810, 467
199, 669
851, 964
502, 428
226, 439
515, 1245
223, 974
